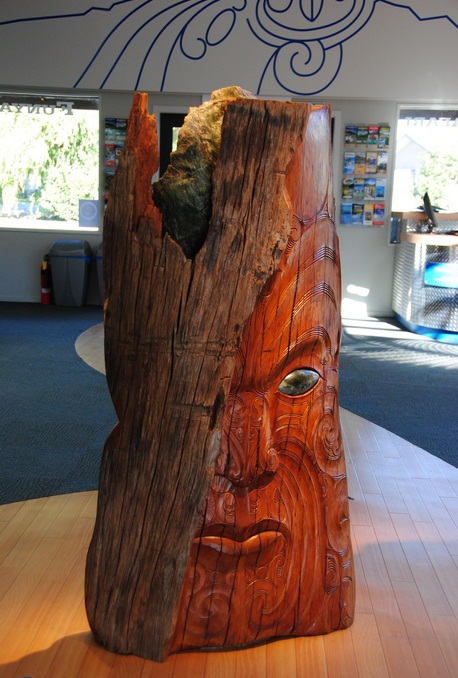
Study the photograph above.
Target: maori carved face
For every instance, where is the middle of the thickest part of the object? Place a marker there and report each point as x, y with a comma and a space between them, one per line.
276, 519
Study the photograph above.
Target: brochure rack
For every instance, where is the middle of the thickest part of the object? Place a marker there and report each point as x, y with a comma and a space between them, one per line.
364, 175
115, 135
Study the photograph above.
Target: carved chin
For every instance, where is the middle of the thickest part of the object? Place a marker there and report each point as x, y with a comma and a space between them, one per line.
251, 555
236, 587
240, 580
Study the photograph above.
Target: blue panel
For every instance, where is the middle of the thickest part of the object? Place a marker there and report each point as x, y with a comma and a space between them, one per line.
442, 274
439, 335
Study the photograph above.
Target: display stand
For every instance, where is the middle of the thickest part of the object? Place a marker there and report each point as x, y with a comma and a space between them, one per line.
365, 164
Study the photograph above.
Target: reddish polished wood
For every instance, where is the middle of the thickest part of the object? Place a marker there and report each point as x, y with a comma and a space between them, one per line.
272, 554
222, 517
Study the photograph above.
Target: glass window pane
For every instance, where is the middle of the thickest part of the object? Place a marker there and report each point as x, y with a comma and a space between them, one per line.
49, 162
426, 159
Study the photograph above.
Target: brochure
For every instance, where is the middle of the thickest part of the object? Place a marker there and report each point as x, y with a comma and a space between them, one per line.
358, 189
368, 214
379, 214
347, 187
371, 162
349, 163
370, 188
380, 188
350, 134
110, 128
382, 162
121, 126
361, 134
357, 213
360, 163
346, 213
384, 136
110, 154
373, 132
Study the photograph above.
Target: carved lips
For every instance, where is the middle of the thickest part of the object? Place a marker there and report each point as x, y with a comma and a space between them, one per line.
255, 540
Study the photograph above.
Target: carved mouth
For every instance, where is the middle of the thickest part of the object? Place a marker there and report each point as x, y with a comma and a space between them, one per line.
252, 540
250, 546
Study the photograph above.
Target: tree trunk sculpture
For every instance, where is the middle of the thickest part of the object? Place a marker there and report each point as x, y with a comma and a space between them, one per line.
222, 517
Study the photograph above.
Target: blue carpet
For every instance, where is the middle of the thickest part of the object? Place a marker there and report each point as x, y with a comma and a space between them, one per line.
405, 383
56, 411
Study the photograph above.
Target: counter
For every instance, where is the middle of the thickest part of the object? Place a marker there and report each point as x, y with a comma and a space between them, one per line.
425, 284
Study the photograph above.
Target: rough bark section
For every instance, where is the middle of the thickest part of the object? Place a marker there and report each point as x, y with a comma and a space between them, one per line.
190, 172
172, 328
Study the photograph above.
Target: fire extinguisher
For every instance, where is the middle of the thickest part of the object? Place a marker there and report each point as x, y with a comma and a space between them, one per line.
45, 280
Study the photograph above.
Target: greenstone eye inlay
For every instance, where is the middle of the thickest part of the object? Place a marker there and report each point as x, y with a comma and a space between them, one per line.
298, 382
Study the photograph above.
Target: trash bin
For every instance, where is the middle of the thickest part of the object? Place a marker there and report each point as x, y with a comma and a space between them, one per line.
70, 263
99, 264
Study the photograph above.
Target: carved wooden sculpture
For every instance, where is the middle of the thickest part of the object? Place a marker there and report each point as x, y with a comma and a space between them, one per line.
223, 509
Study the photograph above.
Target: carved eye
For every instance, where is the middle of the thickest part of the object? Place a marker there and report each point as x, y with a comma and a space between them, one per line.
298, 382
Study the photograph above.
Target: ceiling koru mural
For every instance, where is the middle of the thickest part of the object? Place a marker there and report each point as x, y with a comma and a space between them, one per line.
300, 43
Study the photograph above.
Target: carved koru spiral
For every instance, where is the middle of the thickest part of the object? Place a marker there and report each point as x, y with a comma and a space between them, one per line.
272, 556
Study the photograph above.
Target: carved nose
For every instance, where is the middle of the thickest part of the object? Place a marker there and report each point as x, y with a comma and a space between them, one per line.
248, 456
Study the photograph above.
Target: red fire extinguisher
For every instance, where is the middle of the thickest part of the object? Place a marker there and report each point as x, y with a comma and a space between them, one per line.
45, 280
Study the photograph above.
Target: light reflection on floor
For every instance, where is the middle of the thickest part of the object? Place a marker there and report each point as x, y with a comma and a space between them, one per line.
378, 327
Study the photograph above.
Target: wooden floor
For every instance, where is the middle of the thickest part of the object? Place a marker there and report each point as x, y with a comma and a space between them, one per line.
405, 536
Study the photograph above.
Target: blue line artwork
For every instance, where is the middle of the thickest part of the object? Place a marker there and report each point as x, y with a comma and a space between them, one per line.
299, 44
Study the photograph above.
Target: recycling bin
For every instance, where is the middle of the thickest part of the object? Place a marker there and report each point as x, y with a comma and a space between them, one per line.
99, 265
70, 265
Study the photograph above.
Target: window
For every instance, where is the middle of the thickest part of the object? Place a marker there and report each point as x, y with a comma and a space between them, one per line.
426, 159
49, 162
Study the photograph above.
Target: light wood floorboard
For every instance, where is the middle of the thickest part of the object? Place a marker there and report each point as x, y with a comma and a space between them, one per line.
404, 514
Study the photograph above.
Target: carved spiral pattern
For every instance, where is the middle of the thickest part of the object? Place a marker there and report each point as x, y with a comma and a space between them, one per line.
326, 441
332, 573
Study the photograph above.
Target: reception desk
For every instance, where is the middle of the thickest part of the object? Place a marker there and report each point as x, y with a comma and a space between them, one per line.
425, 284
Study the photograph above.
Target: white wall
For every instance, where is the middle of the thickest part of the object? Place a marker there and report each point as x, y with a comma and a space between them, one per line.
363, 57
351, 48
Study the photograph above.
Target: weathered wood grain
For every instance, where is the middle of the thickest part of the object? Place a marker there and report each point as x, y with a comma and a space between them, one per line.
173, 326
